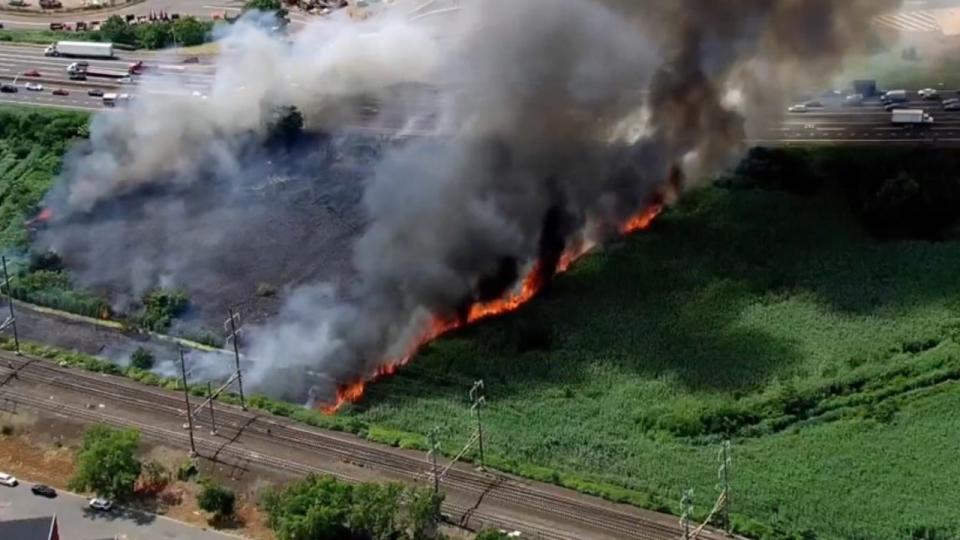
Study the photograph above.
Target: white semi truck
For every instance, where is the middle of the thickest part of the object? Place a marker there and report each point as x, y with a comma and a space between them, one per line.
910, 117
80, 49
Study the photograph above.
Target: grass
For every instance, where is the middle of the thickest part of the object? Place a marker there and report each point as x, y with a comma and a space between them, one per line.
46, 37
829, 357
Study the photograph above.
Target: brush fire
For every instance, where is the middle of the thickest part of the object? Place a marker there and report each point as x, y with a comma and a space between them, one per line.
554, 126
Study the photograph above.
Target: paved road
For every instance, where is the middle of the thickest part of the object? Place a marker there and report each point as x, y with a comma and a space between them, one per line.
201, 9
76, 521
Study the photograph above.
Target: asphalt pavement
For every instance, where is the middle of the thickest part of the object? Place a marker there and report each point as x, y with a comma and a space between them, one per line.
78, 522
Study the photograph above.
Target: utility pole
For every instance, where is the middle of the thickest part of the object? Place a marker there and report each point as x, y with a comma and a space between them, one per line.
13, 318
725, 464
686, 502
433, 442
186, 398
479, 400
232, 321
213, 420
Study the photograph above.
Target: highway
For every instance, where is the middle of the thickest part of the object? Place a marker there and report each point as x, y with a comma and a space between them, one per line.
201, 9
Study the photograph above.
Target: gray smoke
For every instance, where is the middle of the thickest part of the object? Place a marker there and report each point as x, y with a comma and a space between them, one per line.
560, 119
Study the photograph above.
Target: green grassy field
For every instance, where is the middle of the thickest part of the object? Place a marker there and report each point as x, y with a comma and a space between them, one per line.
829, 358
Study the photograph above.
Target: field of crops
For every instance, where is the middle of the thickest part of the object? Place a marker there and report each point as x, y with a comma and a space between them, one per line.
830, 359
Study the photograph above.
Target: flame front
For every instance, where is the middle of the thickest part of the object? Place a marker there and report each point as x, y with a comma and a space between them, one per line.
531, 285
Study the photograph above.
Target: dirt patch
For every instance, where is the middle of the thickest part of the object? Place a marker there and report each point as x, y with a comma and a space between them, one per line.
24, 456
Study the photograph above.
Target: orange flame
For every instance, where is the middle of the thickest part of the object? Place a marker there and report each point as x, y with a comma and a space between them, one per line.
531, 284
44, 216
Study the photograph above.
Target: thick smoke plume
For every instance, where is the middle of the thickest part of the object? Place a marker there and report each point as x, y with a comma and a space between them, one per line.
559, 120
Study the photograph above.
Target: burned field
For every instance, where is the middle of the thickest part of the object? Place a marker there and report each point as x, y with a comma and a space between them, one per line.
242, 244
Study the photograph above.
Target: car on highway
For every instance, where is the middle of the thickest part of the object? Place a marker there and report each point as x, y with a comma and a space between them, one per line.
60, 92
895, 106
31, 73
813, 104
191, 60
948, 101
43, 490
34, 87
125, 80
798, 108
102, 505
853, 100
78, 77
8, 89
952, 107
8, 480
95, 92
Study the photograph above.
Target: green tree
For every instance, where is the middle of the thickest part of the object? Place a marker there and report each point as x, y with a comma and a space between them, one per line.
117, 30
142, 359
314, 508
106, 463
374, 510
188, 31
156, 35
160, 307
217, 500
421, 513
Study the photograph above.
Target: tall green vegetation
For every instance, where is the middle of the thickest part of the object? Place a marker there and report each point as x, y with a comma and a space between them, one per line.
182, 32
766, 311
107, 464
32, 142
322, 507
160, 307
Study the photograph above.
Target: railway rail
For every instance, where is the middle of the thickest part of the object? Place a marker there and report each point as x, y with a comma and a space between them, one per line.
500, 487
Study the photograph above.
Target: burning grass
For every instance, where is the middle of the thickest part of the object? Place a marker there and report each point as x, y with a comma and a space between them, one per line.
766, 316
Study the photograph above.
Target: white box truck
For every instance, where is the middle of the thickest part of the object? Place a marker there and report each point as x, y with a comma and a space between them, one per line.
80, 49
910, 117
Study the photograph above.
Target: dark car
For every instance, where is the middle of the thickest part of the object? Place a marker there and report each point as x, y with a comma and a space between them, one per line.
60, 92
8, 89
43, 491
952, 107
191, 60
814, 103
95, 92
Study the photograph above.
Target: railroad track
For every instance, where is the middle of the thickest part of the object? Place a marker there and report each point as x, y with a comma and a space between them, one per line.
501, 488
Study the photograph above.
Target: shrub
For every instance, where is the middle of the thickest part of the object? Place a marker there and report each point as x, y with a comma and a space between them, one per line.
142, 359
160, 307
217, 500
107, 463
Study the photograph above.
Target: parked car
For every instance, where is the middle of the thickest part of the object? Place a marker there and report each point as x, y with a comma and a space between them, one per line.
60, 92
8, 89
95, 92
34, 87
8, 480
43, 491
31, 73
103, 505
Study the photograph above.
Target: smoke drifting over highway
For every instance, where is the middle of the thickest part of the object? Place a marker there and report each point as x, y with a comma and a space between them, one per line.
564, 118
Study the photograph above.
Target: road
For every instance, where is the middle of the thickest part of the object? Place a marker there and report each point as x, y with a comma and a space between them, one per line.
867, 124
253, 439
77, 521
201, 9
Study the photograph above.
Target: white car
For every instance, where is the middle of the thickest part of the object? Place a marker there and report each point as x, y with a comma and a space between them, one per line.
8, 480
799, 107
125, 80
102, 505
35, 87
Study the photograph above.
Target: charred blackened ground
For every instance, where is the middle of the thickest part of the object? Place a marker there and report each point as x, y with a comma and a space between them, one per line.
228, 244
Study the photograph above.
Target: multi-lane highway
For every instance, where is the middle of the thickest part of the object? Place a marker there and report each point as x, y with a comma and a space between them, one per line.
201, 9
15, 60
833, 124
